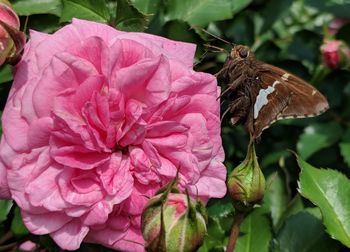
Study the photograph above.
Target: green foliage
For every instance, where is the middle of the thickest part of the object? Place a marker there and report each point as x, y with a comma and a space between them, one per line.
31, 7
286, 33
95, 10
5, 207
256, 233
17, 226
330, 191
304, 232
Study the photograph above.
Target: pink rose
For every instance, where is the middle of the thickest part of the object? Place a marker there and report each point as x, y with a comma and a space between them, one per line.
98, 120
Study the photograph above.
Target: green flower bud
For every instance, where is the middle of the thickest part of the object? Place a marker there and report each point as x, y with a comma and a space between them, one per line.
246, 183
172, 221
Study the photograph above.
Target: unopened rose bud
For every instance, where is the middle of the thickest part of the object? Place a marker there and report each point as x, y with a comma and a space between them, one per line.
172, 221
335, 53
246, 183
12, 39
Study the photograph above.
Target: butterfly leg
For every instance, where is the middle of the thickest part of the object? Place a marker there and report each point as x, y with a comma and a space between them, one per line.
233, 86
238, 109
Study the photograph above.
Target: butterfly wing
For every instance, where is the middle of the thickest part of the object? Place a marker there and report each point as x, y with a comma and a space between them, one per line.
283, 95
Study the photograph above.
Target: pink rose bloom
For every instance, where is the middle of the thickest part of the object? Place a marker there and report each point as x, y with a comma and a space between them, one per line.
98, 120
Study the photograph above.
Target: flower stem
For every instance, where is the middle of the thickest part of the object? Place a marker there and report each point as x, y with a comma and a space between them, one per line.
239, 217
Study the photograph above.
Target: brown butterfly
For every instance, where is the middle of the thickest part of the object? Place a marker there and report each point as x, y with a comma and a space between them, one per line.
259, 93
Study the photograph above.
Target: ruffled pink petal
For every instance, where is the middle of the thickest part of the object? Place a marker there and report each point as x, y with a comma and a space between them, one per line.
211, 184
115, 230
4, 188
39, 132
39, 224
147, 81
116, 178
15, 128
70, 235
132, 241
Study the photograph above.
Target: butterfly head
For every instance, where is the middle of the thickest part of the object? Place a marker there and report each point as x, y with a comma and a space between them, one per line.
240, 52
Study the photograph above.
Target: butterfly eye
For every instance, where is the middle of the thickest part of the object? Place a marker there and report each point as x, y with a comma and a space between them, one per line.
243, 54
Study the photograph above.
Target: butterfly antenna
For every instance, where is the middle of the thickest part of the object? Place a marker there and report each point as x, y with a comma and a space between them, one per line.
219, 49
209, 33
201, 58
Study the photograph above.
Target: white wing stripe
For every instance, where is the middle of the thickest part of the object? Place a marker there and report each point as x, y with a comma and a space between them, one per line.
261, 99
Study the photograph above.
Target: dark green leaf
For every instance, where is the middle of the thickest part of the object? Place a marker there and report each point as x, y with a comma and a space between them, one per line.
330, 191
304, 233
345, 151
338, 8
200, 12
17, 226
30, 7
256, 233
95, 10
129, 18
146, 6
273, 11
5, 73
5, 207
276, 196
316, 137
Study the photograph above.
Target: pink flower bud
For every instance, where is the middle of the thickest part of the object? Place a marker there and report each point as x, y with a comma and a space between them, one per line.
335, 53
246, 183
173, 222
11, 39
27, 246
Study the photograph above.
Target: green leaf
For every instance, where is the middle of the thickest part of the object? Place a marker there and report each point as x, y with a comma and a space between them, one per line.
318, 136
17, 226
345, 152
5, 207
5, 73
256, 233
330, 191
95, 10
304, 232
130, 18
339, 8
146, 6
200, 12
276, 197
238, 5
30, 7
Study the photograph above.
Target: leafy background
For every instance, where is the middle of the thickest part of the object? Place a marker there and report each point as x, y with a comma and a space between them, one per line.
305, 208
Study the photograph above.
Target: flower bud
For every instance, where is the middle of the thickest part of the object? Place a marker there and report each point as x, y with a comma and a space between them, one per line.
246, 183
171, 221
11, 39
335, 53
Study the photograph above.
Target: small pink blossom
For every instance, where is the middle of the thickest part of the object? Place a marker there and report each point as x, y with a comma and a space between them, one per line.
27, 246
97, 121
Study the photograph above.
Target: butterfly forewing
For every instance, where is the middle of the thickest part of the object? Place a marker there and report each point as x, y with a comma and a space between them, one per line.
283, 95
